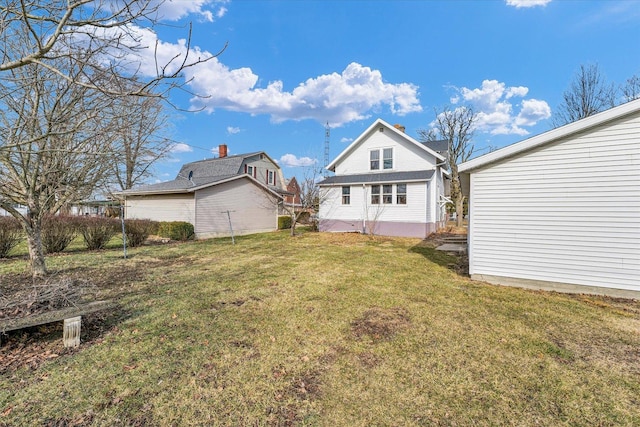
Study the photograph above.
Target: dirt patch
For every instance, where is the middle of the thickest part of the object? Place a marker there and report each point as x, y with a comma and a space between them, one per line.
381, 324
31, 347
368, 359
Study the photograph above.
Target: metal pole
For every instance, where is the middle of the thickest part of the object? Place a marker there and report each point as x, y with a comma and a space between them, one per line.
233, 240
124, 234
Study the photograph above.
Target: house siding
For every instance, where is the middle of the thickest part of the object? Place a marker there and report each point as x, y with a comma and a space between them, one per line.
406, 156
567, 212
165, 207
409, 220
263, 165
252, 209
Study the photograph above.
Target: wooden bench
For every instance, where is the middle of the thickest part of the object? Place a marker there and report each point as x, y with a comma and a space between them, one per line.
72, 317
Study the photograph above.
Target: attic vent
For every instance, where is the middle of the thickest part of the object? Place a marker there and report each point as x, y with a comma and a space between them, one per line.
380, 129
190, 175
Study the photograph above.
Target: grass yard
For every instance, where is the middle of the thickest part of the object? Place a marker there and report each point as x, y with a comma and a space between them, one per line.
318, 330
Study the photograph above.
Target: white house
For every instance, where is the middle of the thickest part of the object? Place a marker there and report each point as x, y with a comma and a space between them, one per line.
561, 210
240, 193
385, 183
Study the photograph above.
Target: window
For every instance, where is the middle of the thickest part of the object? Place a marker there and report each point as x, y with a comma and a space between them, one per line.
387, 194
387, 158
401, 194
375, 194
346, 195
248, 169
374, 159
270, 178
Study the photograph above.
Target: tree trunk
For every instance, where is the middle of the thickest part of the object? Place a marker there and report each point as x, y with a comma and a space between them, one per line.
36, 253
459, 210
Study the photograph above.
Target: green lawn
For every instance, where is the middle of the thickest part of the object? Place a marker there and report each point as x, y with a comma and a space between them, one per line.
320, 329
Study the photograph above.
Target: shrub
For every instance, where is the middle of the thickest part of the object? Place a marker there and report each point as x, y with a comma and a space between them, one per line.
284, 222
176, 230
137, 230
58, 231
10, 234
304, 217
97, 231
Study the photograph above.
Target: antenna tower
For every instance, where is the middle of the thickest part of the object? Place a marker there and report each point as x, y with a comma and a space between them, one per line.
327, 137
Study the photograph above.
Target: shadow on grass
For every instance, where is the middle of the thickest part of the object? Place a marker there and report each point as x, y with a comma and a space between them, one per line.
457, 263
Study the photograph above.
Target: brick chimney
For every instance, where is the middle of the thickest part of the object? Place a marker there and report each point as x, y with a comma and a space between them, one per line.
222, 150
399, 127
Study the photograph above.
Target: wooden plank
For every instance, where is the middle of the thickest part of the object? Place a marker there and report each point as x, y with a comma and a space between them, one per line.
52, 316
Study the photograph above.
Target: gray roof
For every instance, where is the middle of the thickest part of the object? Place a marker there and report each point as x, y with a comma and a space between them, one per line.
439, 146
197, 174
373, 178
178, 185
229, 165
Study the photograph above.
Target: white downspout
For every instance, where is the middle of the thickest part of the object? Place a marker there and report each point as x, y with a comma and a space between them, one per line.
364, 209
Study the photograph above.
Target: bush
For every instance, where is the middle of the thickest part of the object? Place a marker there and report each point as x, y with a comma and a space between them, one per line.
284, 222
137, 230
58, 231
10, 234
176, 230
97, 231
304, 217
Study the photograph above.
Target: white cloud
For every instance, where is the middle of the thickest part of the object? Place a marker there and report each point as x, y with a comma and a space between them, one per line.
494, 107
527, 3
345, 139
232, 130
533, 111
215, 151
181, 148
292, 160
336, 98
173, 10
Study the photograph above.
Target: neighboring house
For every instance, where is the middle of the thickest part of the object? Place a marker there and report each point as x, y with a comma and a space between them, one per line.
385, 183
245, 189
292, 199
561, 210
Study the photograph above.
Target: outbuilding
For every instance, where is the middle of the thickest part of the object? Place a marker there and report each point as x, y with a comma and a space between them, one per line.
561, 210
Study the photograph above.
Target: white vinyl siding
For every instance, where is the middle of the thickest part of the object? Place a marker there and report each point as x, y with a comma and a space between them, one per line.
166, 207
406, 156
416, 210
567, 212
252, 209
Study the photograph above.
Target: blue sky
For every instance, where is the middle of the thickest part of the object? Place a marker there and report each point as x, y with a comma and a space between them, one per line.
291, 66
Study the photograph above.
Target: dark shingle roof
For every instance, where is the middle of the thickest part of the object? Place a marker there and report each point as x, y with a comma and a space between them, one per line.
229, 165
372, 178
440, 146
179, 185
198, 173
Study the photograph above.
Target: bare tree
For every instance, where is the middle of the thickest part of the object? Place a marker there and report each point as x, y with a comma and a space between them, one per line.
456, 127
631, 89
588, 94
138, 133
51, 151
108, 31
309, 200
67, 72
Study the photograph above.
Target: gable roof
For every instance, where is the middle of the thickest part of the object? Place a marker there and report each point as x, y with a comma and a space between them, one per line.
439, 146
201, 174
185, 186
379, 122
552, 136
